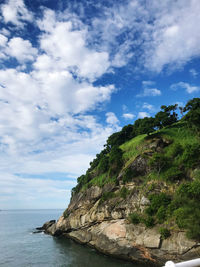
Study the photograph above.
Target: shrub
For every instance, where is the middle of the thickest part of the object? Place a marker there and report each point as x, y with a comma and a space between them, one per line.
124, 192
191, 155
190, 190
134, 218
128, 174
181, 216
197, 174
115, 161
175, 150
156, 201
173, 174
149, 221
194, 190
158, 162
103, 165
188, 217
161, 214
106, 196
193, 227
165, 233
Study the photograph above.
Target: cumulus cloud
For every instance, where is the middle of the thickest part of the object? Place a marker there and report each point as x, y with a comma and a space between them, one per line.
147, 84
111, 118
143, 114
3, 40
44, 122
152, 34
68, 48
15, 12
21, 49
150, 92
45, 100
3, 43
193, 72
182, 85
170, 32
148, 106
128, 116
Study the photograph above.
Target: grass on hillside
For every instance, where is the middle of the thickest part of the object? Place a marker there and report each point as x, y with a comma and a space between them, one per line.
132, 148
179, 133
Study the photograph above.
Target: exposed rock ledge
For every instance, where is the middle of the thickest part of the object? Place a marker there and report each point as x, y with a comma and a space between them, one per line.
104, 226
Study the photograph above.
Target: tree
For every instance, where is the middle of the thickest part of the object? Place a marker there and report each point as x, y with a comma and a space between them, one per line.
118, 138
192, 104
103, 164
193, 116
115, 160
144, 126
166, 117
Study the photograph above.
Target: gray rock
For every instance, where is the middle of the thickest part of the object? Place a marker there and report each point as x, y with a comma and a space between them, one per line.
177, 243
46, 225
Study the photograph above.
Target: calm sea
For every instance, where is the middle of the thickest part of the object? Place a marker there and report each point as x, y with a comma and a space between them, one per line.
19, 247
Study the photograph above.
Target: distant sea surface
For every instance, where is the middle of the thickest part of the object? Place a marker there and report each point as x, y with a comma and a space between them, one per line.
19, 247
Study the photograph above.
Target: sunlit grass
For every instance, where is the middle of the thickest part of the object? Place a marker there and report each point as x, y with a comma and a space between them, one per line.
132, 148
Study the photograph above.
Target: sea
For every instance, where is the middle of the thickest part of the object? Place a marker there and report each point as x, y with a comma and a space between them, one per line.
20, 247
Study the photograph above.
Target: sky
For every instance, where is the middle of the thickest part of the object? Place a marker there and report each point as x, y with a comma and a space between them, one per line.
72, 72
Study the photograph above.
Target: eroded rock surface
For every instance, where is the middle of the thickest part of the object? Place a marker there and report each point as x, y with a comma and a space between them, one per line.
104, 226
103, 223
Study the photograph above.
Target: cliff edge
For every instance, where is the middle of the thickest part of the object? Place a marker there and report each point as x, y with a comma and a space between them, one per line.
139, 200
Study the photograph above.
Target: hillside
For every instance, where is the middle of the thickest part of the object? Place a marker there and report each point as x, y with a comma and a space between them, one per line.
139, 200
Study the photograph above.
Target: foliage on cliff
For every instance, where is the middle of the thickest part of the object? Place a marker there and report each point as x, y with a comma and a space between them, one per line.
169, 150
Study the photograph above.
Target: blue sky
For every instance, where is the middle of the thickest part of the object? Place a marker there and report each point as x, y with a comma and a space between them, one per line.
73, 72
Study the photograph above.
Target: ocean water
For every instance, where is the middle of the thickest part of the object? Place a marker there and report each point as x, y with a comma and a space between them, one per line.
19, 247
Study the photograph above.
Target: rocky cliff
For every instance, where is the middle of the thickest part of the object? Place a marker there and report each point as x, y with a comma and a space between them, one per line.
104, 226
99, 216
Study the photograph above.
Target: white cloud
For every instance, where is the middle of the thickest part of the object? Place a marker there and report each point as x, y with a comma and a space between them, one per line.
143, 114
3, 40
152, 34
17, 192
3, 43
148, 83
174, 26
111, 118
5, 32
182, 85
68, 48
124, 108
15, 11
21, 49
44, 121
44, 126
128, 116
150, 92
193, 72
148, 106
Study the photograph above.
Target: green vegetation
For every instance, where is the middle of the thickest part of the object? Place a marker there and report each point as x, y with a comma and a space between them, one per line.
158, 205
65, 214
172, 149
107, 196
99, 180
115, 161
149, 221
165, 233
124, 192
132, 149
135, 218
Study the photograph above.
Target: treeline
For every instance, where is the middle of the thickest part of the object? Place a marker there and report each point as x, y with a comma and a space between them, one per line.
110, 158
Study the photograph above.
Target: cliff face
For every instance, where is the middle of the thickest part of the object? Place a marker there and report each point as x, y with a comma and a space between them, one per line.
100, 216
104, 226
